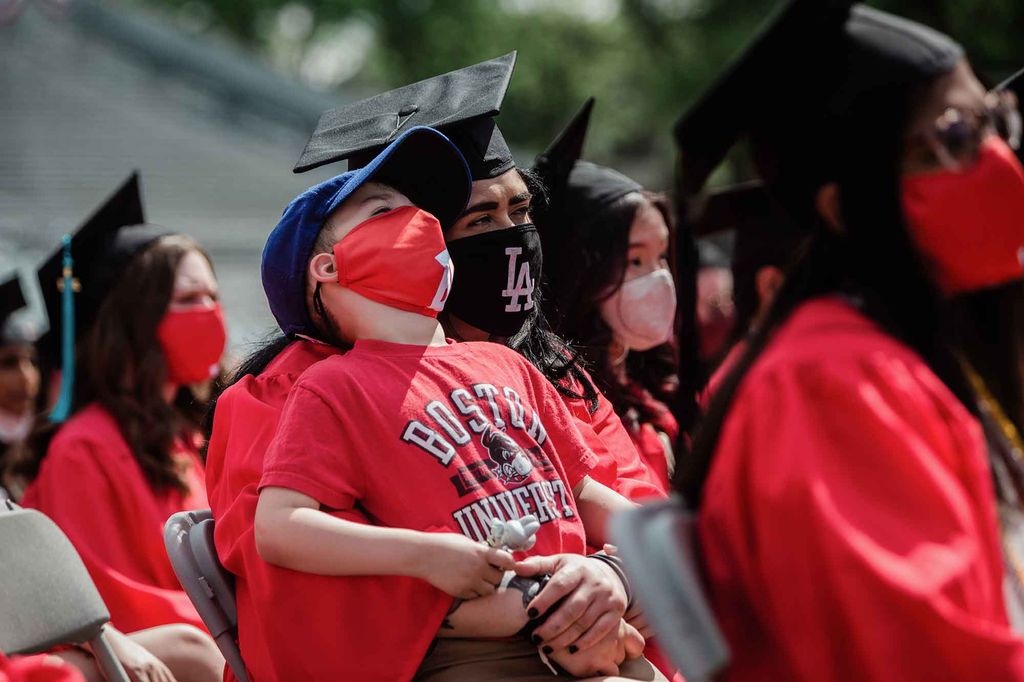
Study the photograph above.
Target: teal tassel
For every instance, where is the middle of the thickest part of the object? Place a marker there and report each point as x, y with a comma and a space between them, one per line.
62, 410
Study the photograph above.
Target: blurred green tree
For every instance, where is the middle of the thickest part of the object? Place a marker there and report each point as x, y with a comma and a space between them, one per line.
644, 60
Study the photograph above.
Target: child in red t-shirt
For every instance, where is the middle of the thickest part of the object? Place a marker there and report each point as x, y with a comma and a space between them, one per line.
431, 439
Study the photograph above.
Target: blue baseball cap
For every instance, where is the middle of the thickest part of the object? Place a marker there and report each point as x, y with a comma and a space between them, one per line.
421, 163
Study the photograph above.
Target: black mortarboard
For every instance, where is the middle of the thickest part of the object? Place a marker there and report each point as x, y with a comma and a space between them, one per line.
12, 299
91, 261
810, 64
555, 163
572, 184
763, 235
461, 104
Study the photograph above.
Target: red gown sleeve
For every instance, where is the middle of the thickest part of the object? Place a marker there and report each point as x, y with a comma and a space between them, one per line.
40, 668
111, 518
346, 628
618, 464
849, 531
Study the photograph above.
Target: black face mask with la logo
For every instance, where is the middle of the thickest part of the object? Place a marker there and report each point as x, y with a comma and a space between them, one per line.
495, 276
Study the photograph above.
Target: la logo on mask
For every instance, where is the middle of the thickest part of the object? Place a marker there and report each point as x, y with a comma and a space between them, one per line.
518, 286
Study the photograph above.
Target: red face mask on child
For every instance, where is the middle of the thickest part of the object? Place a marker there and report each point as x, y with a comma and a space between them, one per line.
398, 259
969, 225
192, 341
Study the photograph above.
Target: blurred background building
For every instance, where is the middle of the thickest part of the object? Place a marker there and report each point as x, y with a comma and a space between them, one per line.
212, 100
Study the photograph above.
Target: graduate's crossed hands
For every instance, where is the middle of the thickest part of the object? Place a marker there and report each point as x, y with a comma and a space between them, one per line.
463, 568
591, 600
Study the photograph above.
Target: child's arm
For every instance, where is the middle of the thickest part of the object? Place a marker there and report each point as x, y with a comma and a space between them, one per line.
501, 614
292, 532
596, 504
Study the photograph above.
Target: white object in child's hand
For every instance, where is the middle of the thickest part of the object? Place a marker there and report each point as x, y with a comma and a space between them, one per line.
517, 535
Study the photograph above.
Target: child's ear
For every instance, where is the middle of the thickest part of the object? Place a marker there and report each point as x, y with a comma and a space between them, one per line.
322, 268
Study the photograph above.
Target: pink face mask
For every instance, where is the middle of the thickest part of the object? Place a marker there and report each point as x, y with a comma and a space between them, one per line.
969, 224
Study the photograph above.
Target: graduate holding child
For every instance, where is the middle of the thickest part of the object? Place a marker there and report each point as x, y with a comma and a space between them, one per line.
468, 443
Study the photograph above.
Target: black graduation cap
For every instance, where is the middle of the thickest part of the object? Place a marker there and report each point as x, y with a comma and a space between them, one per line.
763, 235
461, 104
555, 163
572, 184
76, 278
743, 207
12, 299
810, 63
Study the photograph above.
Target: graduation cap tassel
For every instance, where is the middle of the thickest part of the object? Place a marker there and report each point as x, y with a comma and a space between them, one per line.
67, 286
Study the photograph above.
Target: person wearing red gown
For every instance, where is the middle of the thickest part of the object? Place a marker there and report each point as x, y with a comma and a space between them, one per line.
118, 458
244, 425
848, 524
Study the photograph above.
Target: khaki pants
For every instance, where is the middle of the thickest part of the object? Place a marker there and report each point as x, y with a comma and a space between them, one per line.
472, 660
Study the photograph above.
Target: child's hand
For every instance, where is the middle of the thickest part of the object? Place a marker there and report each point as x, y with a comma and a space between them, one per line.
465, 569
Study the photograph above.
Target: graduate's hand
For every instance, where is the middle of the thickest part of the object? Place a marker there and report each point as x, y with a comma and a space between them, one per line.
605, 657
138, 662
465, 569
595, 599
635, 617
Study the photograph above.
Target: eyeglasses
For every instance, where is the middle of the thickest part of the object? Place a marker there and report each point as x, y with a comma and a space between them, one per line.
955, 140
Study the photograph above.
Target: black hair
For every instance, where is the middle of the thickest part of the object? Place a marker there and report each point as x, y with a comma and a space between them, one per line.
552, 355
598, 254
556, 359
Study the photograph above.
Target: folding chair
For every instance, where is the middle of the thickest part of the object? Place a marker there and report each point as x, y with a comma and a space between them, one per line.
658, 546
46, 595
188, 537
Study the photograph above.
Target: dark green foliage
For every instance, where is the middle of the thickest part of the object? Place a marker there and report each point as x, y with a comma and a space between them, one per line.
644, 60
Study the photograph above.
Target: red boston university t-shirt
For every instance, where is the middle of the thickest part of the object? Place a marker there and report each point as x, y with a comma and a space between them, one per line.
434, 437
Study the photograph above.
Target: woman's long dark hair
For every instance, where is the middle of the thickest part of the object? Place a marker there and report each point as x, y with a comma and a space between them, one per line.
550, 353
121, 366
598, 252
873, 262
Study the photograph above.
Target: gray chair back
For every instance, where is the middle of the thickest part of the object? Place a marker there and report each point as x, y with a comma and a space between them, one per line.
188, 537
46, 595
658, 546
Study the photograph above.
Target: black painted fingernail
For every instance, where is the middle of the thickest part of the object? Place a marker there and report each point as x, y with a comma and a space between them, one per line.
532, 613
547, 650
573, 648
536, 639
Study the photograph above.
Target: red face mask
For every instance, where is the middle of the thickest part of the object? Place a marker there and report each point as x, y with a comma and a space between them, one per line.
398, 259
192, 341
969, 225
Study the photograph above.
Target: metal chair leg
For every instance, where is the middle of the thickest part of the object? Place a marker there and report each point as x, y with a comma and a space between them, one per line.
108, 664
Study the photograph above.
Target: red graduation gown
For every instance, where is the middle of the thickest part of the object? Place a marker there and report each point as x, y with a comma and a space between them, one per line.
849, 522
40, 668
620, 465
92, 487
293, 625
345, 631
647, 436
